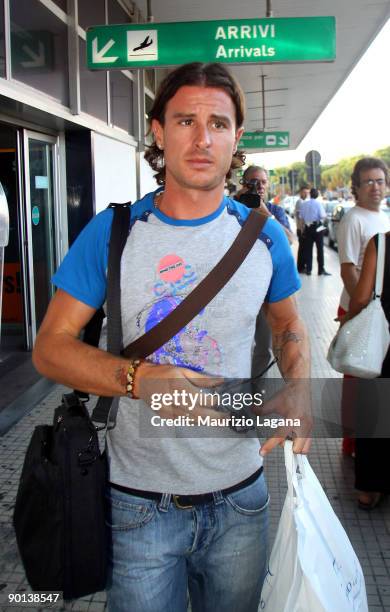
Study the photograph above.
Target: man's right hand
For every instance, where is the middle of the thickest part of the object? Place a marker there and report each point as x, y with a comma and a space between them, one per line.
180, 391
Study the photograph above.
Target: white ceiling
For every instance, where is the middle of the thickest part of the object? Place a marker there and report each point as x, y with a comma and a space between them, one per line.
304, 89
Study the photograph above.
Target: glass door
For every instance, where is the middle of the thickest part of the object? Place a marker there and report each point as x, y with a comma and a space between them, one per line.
41, 206
14, 316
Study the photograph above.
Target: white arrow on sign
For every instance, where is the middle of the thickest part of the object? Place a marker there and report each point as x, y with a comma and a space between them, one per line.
37, 59
283, 140
99, 57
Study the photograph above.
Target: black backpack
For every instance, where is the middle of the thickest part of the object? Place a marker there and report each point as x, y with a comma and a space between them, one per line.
59, 515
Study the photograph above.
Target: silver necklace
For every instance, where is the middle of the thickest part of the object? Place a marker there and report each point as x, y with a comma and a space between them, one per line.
157, 199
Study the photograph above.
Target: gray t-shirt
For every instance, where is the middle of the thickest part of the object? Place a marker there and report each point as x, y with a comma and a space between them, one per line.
163, 260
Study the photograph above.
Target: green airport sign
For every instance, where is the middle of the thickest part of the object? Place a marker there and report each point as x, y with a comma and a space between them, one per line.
237, 41
264, 140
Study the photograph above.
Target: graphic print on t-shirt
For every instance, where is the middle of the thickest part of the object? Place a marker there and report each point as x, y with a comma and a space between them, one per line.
191, 347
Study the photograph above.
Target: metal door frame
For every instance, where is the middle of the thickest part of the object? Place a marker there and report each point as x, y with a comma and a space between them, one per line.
31, 135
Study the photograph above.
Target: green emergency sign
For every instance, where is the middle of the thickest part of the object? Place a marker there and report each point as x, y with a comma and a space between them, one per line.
264, 140
238, 41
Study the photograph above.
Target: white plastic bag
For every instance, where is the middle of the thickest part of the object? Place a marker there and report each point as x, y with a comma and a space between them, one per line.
361, 344
313, 566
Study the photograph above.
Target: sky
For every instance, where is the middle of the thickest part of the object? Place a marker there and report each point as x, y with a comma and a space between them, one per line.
360, 111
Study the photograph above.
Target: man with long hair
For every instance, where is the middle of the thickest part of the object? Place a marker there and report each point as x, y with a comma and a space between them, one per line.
187, 514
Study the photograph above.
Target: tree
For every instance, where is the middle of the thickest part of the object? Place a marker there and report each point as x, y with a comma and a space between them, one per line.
383, 154
338, 175
334, 177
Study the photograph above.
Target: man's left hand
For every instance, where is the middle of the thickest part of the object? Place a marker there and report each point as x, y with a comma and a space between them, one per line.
292, 402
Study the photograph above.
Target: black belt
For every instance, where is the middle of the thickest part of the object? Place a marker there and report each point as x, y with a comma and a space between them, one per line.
187, 501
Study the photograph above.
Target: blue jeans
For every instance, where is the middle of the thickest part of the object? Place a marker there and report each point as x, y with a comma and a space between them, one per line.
216, 552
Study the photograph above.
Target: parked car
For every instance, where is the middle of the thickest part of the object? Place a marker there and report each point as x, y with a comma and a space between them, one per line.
333, 221
329, 206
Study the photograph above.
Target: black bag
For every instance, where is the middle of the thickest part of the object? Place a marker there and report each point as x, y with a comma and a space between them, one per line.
59, 511
59, 515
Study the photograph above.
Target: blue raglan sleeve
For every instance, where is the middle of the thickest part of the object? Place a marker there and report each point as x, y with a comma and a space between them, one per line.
285, 279
281, 216
83, 272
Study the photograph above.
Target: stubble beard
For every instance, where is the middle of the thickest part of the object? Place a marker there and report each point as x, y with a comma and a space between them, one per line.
198, 183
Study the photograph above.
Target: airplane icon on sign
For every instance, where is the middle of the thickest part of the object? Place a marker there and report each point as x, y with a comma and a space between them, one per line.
145, 43
142, 45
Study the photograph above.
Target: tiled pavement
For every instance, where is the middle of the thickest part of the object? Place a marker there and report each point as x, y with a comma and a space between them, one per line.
369, 532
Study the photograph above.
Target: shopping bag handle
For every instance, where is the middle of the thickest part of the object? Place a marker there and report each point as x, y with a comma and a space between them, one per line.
295, 471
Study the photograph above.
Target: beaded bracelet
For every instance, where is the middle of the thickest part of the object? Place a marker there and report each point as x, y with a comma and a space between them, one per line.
130, 377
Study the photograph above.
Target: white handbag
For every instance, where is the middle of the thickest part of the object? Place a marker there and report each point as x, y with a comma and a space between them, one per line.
361, 344
313, 567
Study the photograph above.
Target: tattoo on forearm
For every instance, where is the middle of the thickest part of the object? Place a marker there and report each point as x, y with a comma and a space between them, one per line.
280, 341
121, 376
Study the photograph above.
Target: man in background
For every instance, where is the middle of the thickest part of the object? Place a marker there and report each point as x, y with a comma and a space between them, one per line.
256, 178
370, 178
304, 194
312, 214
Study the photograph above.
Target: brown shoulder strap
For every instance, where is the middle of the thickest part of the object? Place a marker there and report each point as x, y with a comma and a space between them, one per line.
202, 294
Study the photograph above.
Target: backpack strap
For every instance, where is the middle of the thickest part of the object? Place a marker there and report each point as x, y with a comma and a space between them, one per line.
380, 264
91, 336
120, 230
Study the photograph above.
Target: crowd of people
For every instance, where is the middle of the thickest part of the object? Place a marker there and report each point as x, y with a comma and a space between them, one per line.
358, 232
